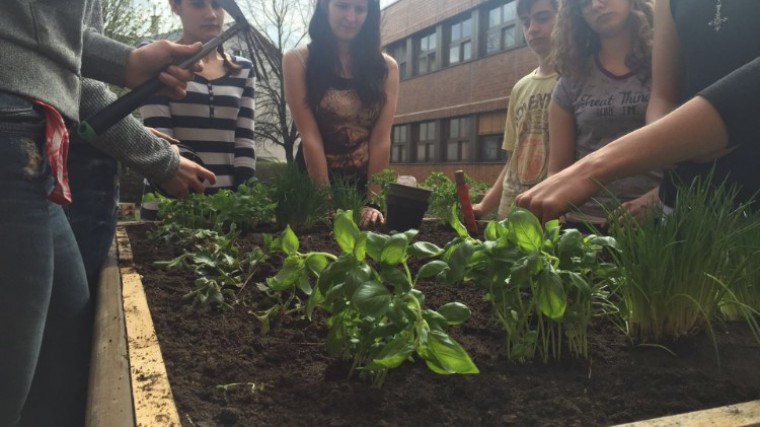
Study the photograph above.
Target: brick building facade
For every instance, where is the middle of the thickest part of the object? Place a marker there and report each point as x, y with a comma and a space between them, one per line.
458, 61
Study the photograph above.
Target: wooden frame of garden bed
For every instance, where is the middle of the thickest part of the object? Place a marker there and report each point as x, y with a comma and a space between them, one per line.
128, 382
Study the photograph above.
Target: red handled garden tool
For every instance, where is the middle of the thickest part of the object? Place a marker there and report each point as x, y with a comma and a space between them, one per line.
464, 201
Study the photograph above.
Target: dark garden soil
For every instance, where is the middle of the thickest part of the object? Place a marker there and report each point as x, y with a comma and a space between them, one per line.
298, 384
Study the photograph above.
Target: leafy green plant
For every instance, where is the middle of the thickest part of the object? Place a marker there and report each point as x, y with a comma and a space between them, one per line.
678, 269
221, 273
291, 285
247, 207
375, 316
445, 194
544, 285
382, 179
300, 203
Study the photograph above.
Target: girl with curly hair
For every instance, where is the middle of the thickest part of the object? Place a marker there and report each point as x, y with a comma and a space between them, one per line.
603, 54
342, 92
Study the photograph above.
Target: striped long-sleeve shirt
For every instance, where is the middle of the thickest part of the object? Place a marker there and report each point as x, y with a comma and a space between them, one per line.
216, 120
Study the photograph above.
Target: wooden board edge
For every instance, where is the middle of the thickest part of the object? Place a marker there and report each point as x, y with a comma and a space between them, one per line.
123, 247
151, 393
739, 415
109, 399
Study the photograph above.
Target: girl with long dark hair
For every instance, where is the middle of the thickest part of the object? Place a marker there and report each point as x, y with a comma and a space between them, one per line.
342, 92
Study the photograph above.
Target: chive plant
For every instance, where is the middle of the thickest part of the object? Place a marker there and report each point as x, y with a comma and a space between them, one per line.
300, 203
346, 197
679, 268
743, 297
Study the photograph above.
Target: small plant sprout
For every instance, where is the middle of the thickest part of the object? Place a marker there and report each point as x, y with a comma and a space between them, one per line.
300, 203
292, 283
220, 271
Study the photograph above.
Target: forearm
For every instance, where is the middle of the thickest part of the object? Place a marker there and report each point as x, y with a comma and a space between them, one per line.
245, 147
658, 108
492, 198
316, 163
128, 141
562, 134
379, 160
692, 130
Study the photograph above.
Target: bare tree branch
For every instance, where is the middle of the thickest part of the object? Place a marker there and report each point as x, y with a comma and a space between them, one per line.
278, 25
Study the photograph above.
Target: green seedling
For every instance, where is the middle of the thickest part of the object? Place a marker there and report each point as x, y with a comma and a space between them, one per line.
376, 317
544, 285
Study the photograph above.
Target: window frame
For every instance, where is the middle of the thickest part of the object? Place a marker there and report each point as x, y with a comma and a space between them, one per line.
513, 25
501, 157
428, 145
461, 42
400, 144
427, 54
401, 59
461, 138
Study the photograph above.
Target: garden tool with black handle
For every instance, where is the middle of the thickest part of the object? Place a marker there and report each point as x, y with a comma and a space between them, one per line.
102, 120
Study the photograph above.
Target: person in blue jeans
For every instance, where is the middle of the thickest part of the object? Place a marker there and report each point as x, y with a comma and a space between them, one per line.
45, 308
94, 170
94, 180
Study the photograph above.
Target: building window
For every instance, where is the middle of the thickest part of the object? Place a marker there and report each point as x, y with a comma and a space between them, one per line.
398, 52
426, 142
426, 54
456, 145
460, 41
400, 144
502, 33
490, 149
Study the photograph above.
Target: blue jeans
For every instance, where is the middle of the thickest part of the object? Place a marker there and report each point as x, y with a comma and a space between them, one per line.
45, 312
94, 180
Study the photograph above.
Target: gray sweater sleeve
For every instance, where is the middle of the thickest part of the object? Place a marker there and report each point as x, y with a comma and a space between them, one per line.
737, 99
129, 141
104, 59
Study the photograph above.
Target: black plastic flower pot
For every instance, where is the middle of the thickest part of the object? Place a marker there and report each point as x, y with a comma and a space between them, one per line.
406, 206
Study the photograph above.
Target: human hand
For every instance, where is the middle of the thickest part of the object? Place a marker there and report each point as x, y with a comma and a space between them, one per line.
478, 211
144, 62
638, 207
371, 216
558, 193
189, 176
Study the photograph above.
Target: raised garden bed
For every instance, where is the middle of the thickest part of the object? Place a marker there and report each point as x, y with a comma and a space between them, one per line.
223, 371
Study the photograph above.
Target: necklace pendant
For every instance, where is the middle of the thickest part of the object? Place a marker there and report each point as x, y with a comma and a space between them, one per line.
718, 20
